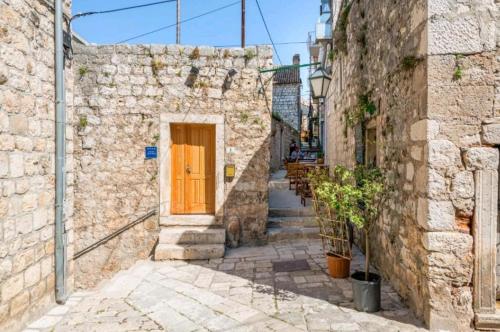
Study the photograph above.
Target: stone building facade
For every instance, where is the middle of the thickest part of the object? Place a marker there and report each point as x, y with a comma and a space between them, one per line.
27, 156
281, 138
286, 95
127, 98
430, 68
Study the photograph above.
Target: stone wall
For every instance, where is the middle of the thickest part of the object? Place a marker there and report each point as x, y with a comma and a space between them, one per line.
281, 138
286, 103
119, 96
431, 98
27, 145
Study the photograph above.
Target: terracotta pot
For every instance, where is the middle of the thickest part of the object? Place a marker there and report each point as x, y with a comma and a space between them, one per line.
339, 267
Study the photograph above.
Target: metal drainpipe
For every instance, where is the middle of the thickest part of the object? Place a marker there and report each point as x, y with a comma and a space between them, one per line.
60, 245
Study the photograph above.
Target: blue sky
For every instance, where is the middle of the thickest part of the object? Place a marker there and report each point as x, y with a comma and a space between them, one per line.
288, 21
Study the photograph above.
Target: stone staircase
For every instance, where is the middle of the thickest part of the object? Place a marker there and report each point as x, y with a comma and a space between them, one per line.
288, 219
190, 237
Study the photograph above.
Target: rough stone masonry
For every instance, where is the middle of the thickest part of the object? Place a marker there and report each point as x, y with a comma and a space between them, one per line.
120, 93
27, 161
431, 70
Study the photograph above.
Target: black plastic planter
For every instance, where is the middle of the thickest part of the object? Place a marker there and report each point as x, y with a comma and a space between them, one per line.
366, 294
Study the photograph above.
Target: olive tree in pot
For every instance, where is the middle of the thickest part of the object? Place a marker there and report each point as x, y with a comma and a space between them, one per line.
372, 195
333, 203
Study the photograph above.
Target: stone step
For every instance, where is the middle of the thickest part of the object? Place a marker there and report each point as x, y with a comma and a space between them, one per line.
190, 220
291, 212
279, 184
292, 233
291, 221
188, 251
192, 235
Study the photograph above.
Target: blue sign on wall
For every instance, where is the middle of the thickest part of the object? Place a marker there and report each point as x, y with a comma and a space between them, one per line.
151, 152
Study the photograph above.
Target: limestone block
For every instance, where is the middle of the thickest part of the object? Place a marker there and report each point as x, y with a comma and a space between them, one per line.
20, 303
491, 132
444, 155
462, 191
436, 215
424, 130
410, 171
11, 287
24, 224
485, 239
18, 124
438, 188
4, 164
447, 242
416, 153
32, 275
472, 30
481, 158
4, 120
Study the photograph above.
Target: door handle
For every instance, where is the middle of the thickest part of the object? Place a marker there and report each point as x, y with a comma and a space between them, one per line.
188, 169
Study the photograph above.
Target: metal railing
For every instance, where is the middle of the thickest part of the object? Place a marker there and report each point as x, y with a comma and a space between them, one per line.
114, 234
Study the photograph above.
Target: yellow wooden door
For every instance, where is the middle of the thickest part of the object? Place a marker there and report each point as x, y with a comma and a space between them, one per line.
193, 169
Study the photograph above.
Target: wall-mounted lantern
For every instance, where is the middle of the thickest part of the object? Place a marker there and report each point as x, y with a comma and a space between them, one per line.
320, 81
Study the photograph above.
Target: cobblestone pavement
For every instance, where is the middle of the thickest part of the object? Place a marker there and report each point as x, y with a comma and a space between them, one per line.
238, 293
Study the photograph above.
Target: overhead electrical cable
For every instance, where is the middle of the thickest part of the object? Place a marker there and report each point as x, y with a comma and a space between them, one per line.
120, 9
282, 43
268, 33
175, 24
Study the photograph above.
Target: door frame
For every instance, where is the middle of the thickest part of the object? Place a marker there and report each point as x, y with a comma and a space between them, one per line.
166, 119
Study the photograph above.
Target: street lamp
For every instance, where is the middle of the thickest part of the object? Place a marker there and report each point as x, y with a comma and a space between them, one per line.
320, 81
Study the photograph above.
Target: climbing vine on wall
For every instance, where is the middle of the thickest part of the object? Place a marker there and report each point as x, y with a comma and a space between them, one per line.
340, 33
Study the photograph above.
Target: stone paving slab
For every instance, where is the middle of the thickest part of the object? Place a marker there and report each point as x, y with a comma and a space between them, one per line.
238, 293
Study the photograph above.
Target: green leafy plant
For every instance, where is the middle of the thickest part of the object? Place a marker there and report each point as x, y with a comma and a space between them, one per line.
249, 54
364, 108
373, 193
82, 71
83, 122
244, 117
156, 139
457, 74
409, 62
277, 116
340, 33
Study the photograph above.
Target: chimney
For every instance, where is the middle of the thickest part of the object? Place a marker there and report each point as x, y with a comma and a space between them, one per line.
296, 59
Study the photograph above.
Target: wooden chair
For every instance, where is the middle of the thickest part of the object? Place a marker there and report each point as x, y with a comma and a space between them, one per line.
292, 174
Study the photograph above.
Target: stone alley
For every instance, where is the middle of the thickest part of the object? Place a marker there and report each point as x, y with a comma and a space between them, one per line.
241, 292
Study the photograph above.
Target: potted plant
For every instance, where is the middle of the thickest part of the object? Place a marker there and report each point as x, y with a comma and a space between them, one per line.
372, 195
333, 201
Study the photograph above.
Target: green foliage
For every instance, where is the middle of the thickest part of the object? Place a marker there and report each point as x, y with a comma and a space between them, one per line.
249, 54
83, 122
409, 62
331, 55
83, 70
340, 33
365, 105
195, 54
244, 117
457, 74
355, 195
156, 139
359, 113
277, 116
